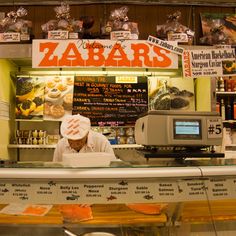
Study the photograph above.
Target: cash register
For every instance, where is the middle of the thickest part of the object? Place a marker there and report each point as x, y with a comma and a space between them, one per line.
179, 134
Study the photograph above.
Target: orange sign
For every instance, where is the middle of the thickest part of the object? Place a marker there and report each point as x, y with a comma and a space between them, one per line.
101, 53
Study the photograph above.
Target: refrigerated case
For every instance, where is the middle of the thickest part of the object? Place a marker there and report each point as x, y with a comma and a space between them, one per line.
124, 199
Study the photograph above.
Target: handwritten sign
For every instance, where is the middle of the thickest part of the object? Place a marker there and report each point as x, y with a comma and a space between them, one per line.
110, 101
10, 37
101, 53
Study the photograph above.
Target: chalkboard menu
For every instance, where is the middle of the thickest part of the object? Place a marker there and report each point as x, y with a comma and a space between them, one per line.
110, 100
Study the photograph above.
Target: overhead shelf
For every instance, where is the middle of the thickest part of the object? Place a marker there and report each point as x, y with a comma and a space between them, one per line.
138, 2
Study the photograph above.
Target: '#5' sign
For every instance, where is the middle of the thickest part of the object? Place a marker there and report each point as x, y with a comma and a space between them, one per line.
101, 53
214, 128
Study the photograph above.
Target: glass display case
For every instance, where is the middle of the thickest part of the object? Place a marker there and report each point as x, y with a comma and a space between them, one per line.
197, 196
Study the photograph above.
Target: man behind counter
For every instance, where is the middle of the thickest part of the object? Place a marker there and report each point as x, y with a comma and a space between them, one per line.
78, 137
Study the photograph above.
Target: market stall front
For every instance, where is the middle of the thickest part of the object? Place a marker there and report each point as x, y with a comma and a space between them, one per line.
154, 100
119, 199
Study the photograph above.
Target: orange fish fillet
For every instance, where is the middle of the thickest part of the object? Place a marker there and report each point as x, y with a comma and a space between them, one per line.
35, 210
75, 212
146, 208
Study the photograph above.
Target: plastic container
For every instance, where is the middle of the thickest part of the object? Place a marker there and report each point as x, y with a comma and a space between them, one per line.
90, 159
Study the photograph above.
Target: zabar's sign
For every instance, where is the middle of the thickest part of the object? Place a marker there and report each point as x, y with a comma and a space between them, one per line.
101, 53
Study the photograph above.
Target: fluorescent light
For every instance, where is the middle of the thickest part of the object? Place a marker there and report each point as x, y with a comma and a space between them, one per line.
95, 71
164, 73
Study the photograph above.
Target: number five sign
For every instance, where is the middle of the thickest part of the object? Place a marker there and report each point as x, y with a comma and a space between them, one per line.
214, 128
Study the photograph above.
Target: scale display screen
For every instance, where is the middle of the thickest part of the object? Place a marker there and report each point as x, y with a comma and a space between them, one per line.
187, 129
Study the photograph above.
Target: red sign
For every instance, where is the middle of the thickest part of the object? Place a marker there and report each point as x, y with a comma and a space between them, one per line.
101, 53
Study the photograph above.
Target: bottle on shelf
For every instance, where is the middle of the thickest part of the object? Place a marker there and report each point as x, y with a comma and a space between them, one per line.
222, 109
233, 84
228, 112
217, 84
221, 84
218, 107
234, 109
229, 84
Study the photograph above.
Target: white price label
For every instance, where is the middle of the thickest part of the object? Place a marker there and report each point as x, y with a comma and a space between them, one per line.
214, 128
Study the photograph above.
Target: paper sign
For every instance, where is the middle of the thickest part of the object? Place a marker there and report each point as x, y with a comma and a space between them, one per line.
57, 34
168, 45
9, 37
117, 35
214, 128
179, 37
209, 62
111, 191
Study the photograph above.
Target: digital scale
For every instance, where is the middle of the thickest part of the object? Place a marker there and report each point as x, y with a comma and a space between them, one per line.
172, 133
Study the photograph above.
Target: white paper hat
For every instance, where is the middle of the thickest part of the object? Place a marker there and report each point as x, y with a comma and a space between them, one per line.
75, 127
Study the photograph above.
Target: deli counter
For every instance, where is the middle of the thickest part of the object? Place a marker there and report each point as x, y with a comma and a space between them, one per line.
197, 196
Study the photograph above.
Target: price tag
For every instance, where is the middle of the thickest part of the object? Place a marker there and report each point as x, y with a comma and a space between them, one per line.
58, 34
179, 37
10, 37
214, 128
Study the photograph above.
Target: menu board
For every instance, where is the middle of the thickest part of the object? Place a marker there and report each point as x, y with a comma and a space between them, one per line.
110, 100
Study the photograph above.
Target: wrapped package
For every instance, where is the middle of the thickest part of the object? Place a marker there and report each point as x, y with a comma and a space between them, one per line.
173, 30
119, 26
88, 22
13, 23
63, 22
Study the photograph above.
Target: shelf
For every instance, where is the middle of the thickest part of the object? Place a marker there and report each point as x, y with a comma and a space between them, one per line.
115, 214
229, 121
225, 93
126, 146
28, 146
231, 145
222, 210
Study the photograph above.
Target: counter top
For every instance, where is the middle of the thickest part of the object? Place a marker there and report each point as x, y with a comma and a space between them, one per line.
99, 173
119, 169
145, 184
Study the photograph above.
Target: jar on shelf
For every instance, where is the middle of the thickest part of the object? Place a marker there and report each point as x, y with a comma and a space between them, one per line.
34, 141
121, 132
41, 141
130, 140
130, 131
35, 133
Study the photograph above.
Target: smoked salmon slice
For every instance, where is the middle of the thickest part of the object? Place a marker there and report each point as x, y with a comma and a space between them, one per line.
35, 210
147, 208
75, 212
